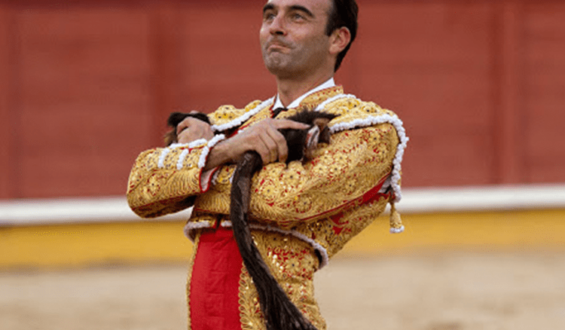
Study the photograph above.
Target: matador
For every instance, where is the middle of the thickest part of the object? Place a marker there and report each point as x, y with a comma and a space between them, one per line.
300, 214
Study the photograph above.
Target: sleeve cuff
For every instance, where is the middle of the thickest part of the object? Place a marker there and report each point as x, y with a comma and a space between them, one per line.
206, 176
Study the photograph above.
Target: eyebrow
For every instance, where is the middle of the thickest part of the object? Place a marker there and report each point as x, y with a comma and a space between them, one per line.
302, 9
270, 6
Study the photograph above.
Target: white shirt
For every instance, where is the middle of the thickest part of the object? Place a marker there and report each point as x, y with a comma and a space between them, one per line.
278, 104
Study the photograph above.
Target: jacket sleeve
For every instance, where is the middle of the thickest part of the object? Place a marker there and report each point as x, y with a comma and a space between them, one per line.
167, 180
339, 176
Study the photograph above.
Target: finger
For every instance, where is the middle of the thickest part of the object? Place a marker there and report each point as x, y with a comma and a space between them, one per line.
280, 142
263, 151
286, 123
180, 129
270, 144
186, 135
183, 125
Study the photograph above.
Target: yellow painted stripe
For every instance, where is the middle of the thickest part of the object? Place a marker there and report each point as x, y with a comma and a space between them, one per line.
478, 230
74, 245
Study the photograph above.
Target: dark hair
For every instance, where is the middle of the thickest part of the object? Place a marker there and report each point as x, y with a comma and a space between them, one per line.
343, 13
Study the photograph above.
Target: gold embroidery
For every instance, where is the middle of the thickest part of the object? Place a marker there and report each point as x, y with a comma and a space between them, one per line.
227, 113
333, 234
261, 115
201, 220
189, 278
154, 191
352, 164
302, 197
250, 313
311, 101
293, 263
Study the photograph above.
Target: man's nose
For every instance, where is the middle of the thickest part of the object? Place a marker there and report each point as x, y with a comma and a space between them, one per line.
278, 26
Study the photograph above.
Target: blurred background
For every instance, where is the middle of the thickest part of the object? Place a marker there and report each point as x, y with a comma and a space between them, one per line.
86, 85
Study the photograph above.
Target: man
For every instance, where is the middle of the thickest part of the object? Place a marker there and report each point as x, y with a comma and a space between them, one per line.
300, 214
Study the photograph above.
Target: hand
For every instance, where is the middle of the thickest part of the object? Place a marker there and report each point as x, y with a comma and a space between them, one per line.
263, 137
191, 129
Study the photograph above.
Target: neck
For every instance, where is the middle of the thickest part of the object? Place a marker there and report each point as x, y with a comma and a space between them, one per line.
290, 89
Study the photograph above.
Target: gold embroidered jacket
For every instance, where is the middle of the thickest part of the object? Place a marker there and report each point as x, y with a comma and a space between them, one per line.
314, 207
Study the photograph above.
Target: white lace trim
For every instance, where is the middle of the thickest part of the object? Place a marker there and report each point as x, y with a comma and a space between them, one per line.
374, 120
192, 144
162, 157
241, 119
182, 156
208, 147
227, 224
323, 252
165, 151
190, 226
332, 99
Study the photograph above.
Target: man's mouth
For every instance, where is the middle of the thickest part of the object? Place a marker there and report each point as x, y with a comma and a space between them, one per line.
276, 46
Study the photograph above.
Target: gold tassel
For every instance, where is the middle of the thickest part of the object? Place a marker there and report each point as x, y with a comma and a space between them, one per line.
396, 225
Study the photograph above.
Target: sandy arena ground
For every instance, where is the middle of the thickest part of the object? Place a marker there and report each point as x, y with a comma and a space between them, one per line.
441, 291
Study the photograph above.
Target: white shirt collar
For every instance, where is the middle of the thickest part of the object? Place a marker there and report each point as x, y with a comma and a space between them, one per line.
296, 103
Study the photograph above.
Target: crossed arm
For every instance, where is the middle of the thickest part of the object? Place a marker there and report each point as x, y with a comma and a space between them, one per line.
264, 138
340, 173
162, 179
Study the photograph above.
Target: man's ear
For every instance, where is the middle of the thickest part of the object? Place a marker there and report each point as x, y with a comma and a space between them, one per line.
339, 39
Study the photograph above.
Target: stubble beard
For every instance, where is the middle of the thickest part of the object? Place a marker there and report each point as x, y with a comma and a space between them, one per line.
294, 62
276, 64
282, 65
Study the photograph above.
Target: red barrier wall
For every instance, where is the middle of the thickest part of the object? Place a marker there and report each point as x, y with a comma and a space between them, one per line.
86, 85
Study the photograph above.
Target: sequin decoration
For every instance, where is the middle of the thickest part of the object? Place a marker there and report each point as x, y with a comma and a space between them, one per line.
293, 263
341, 172
189, 277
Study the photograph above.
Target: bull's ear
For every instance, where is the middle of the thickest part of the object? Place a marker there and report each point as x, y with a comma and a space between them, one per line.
322, 124
312, 139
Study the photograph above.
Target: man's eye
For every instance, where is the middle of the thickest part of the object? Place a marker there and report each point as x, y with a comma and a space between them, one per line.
268, 16
297, 16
